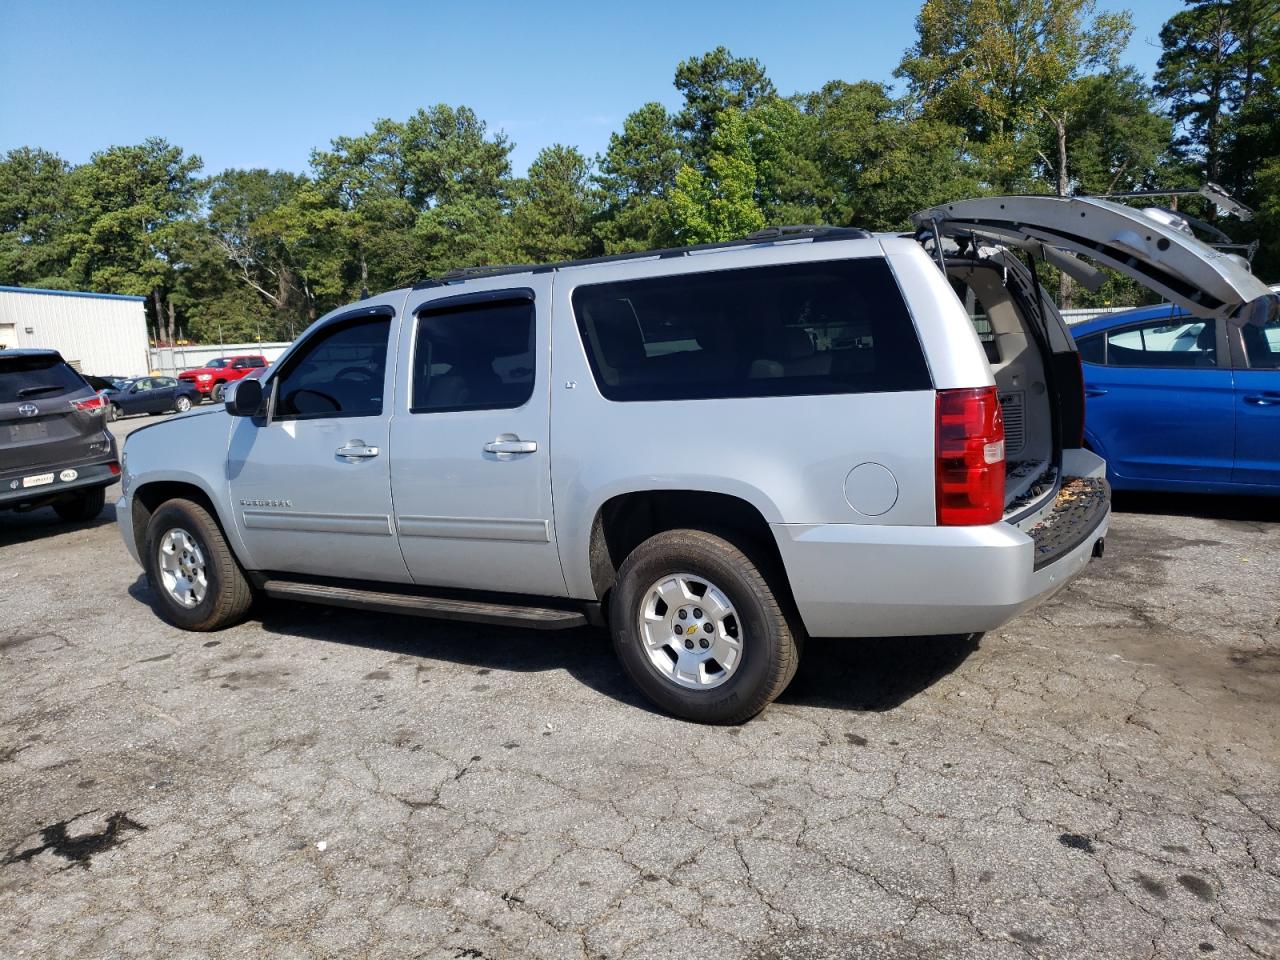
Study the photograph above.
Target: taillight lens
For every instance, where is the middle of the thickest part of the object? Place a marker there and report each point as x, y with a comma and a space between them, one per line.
969, 457
94, 404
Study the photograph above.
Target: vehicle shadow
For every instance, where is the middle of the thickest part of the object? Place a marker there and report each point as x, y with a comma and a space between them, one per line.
43, 522
866, 675
874, 674
1208, 506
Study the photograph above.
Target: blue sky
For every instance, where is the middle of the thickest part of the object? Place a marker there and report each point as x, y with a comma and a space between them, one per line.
261, 84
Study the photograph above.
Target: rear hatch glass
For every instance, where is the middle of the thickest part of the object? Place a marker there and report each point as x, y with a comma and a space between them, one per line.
27, 378
39, 426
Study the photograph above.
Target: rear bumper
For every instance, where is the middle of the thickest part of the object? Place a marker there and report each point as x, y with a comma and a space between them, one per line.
861, 580
87, 476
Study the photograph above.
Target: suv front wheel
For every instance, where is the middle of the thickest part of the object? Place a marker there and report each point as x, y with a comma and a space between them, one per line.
199, 584
700, 629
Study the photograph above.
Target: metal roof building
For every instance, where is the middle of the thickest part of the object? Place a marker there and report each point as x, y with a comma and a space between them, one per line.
104, 334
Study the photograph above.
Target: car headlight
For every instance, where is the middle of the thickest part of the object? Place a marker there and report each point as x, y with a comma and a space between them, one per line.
204, 376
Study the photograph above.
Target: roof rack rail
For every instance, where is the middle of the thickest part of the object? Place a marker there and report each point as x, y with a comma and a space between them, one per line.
811, 232
799, 231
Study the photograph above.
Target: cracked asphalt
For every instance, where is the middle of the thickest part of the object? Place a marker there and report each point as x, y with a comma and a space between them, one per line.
1101, 778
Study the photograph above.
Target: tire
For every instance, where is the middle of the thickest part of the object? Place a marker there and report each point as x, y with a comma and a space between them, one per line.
113, 412
767, 645
182, 404
216, 393
227, 595
83, 506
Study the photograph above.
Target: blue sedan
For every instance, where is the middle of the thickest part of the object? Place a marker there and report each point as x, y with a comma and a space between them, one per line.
1180, 403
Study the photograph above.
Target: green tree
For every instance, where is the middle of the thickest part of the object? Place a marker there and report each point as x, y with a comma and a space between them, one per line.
34, 216
721, 203
240, 205
711, 84
129, 207
1000, 68
880, 162
555, 207
1120, 141
636, 175
1216, 56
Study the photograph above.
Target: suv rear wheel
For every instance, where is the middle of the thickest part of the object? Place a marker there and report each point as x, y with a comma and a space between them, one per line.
216, 394
199, 584
82, 507
699, 628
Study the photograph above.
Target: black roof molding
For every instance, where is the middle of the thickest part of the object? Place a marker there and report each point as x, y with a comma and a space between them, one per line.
780, 234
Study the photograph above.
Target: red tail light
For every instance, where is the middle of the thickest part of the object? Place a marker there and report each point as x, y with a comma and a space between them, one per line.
970, 457
114, 468
94, 404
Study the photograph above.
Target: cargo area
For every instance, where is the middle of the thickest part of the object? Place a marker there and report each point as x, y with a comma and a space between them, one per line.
1022, 380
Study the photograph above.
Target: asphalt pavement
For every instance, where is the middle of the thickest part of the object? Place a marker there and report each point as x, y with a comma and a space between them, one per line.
1101, 778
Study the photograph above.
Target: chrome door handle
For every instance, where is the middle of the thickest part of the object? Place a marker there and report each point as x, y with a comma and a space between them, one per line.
1094, 392
511, 446
1264, 400
356, 450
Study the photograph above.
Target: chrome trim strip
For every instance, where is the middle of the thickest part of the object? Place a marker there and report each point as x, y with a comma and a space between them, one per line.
355, 523
475, 528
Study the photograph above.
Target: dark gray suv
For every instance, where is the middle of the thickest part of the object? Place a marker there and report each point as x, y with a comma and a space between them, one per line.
55, 449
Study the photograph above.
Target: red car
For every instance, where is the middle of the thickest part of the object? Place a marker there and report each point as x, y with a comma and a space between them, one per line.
212, 379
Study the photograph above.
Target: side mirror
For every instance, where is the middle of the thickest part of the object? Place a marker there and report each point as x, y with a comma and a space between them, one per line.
244, 397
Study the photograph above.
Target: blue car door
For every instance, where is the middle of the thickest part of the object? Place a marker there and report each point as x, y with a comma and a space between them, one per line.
1160, 405
1258, 403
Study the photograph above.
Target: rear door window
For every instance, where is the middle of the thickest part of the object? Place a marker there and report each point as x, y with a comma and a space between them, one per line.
1180, 342
830, 327
33, 377
474, 357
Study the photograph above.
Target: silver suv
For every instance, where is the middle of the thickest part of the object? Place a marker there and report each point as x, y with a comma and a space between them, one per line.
717, 451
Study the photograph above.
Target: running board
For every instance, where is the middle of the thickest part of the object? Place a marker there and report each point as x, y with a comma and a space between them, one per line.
501, 614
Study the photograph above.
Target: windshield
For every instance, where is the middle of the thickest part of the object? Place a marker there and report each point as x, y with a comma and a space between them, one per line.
29, 378
217, 364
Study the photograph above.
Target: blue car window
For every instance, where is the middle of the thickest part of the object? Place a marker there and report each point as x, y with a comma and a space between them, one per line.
1262, 344
1093, 349
1168, 342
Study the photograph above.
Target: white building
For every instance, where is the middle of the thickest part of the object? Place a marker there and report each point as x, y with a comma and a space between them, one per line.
104, 334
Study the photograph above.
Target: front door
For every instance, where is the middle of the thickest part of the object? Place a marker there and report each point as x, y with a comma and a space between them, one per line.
470, 460
1161, 404
311, 486
1258, 403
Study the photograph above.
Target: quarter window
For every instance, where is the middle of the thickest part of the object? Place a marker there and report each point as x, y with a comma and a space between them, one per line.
339, 373
1093, 349
1168, 342
837, 326
474, 357
1262, 340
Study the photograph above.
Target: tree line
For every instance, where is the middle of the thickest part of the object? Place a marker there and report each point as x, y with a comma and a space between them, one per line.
997, 96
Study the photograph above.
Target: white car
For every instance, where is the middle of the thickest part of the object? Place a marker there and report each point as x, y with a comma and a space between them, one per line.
715, 450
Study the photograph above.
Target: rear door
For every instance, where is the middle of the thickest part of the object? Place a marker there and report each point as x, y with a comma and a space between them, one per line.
1161, 401
1257, 399
162, 395
470, 438
40, 425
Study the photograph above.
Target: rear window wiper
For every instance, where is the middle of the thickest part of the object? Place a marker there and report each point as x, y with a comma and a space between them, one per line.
32, 391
